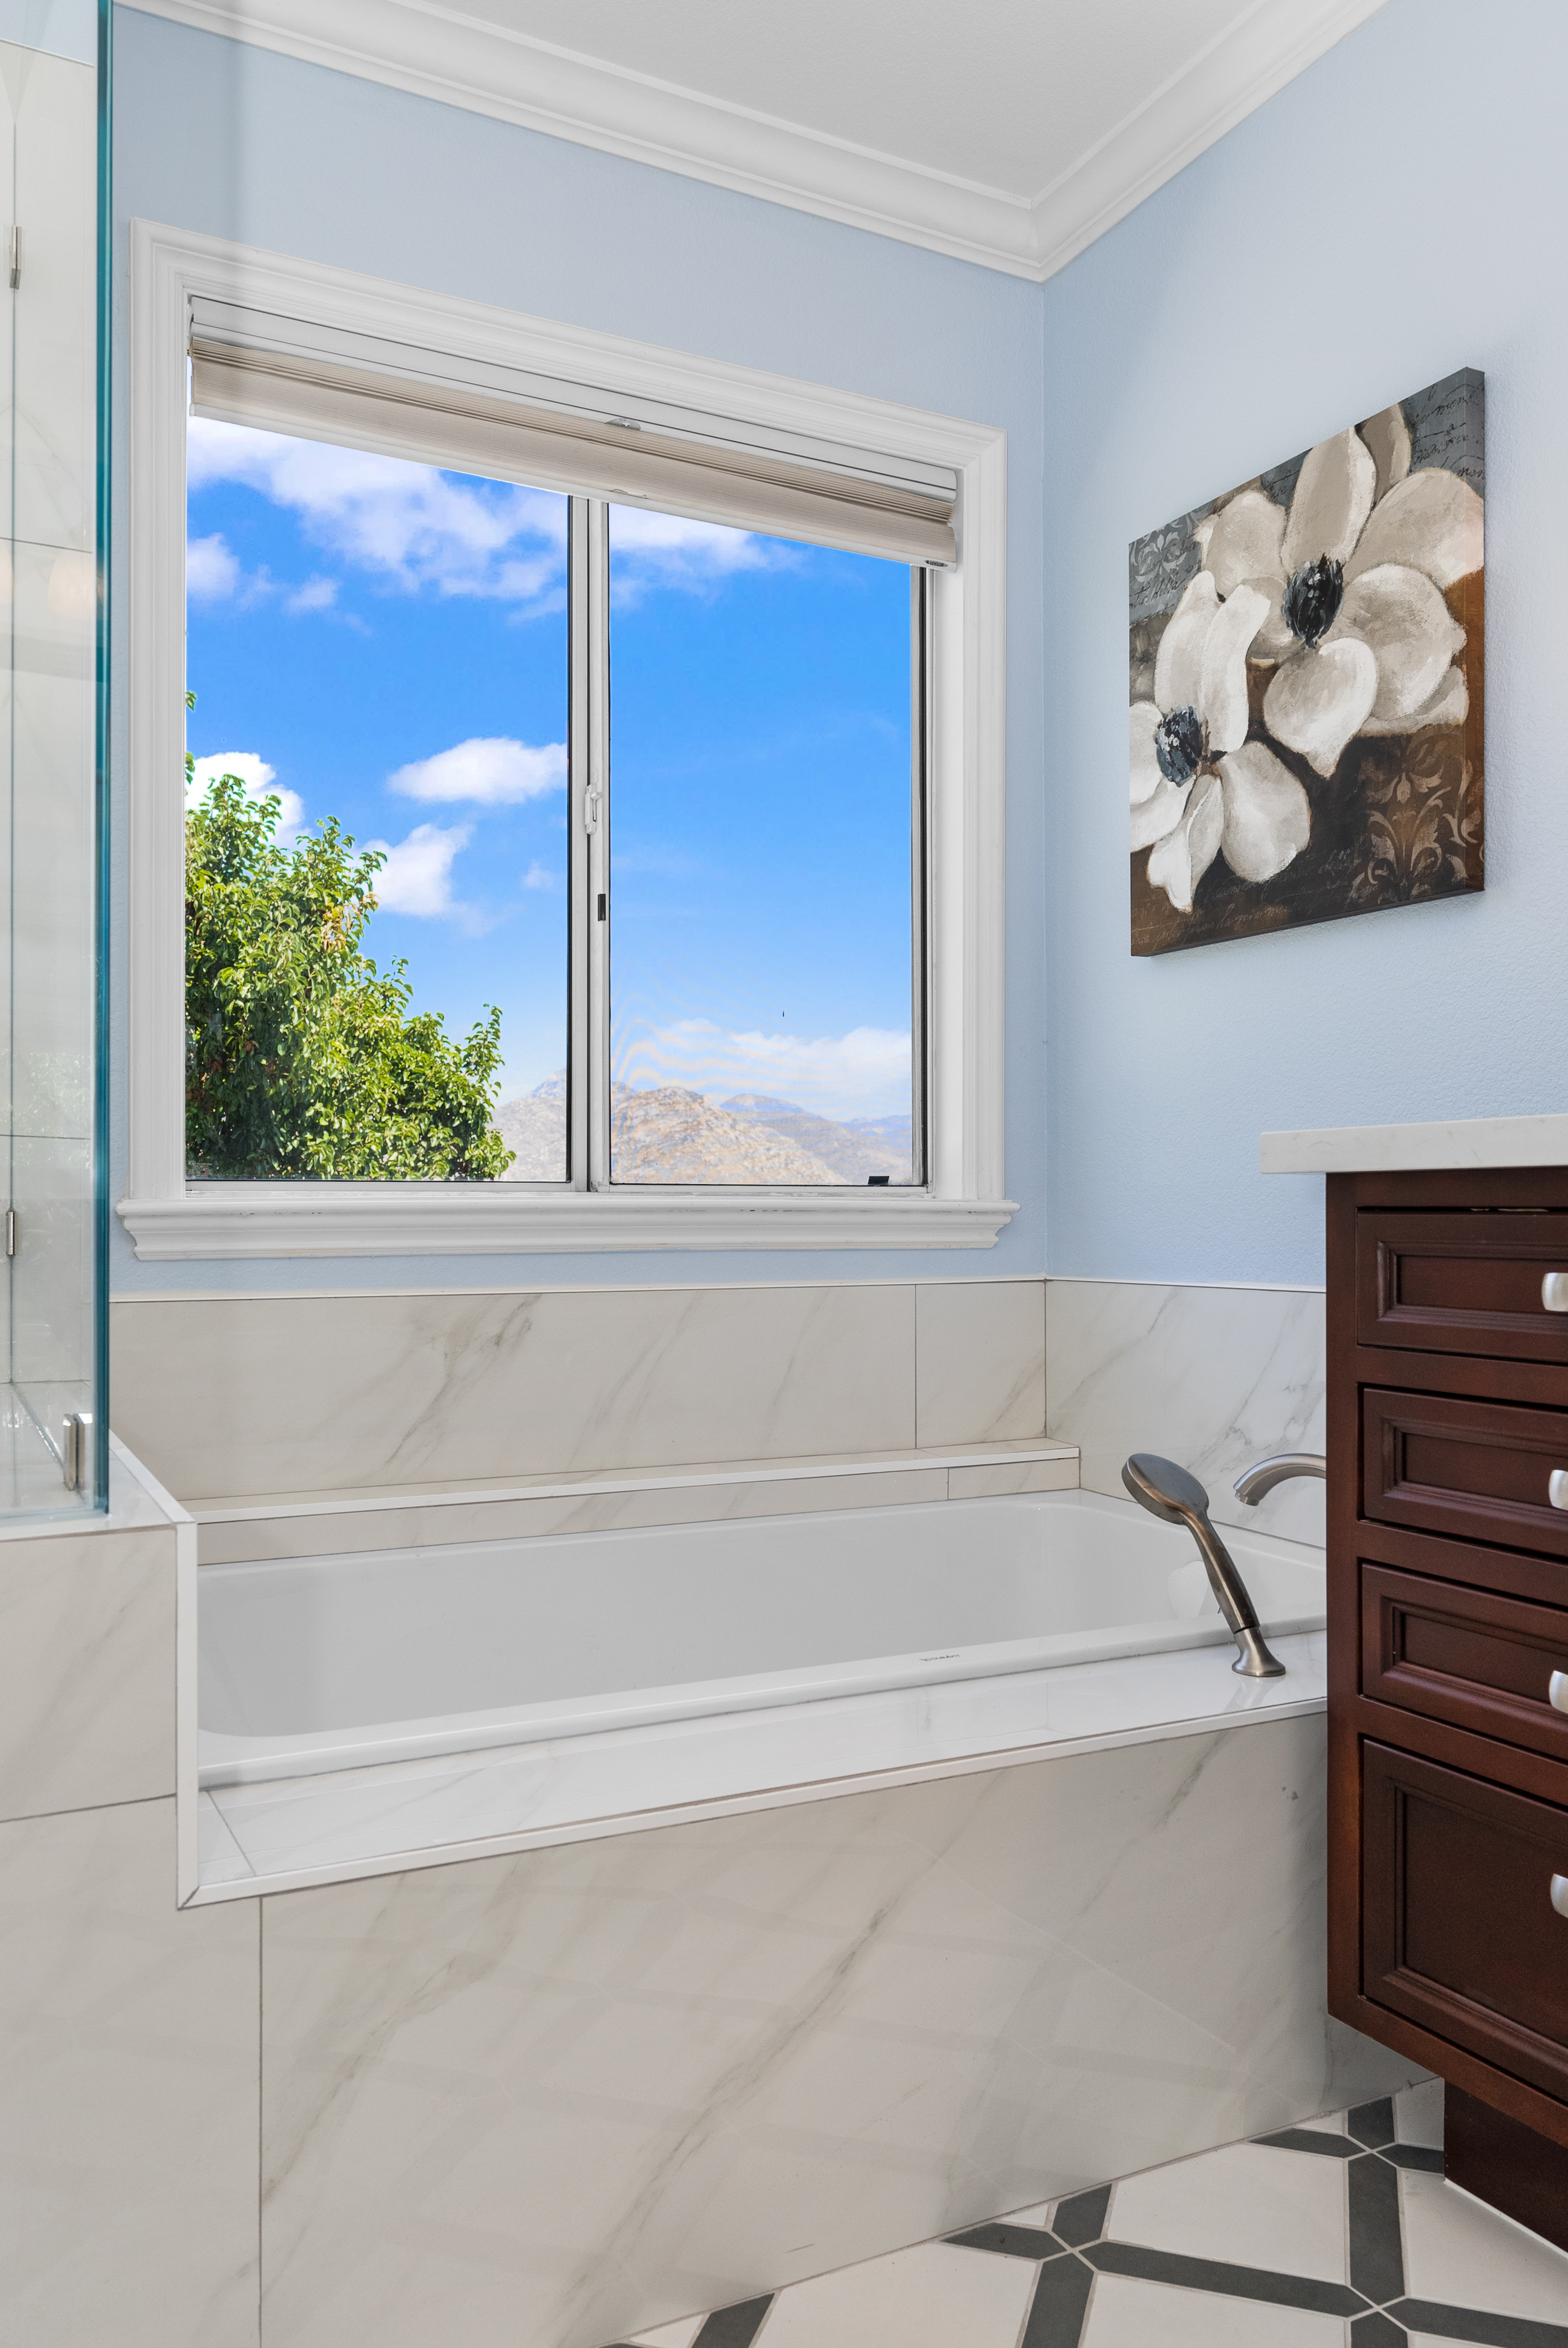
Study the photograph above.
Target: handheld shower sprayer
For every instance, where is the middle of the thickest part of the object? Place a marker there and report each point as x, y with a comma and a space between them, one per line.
1174, 1496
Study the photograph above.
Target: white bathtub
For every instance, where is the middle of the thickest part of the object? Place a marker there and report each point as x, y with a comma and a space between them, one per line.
343, 1662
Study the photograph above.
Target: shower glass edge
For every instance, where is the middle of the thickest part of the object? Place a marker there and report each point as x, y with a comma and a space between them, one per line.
55, 293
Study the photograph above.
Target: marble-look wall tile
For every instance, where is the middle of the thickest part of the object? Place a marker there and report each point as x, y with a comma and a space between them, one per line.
1213, 1377
133, 1500
980, 1349
51, 1184
1027, 1476
87, 1668
51, 720
592, 1512
54, 103
550, 2100
260, 1396
129, 2056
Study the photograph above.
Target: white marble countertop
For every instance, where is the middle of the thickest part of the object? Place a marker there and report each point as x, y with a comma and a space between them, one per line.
1402, 1149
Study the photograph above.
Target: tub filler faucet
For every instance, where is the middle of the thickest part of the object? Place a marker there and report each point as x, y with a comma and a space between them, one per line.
1169, 1493
1264, 1474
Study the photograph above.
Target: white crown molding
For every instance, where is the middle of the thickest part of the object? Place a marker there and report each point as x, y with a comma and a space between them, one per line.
438, 53
1237, 73
441, 53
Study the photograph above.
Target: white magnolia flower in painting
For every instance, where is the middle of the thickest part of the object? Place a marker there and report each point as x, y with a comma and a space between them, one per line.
1200, 789
1353, 576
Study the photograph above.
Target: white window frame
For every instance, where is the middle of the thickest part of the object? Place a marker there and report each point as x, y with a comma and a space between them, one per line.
961, 1203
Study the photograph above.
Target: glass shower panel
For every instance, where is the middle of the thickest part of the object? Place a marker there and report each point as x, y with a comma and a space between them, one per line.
53, 1448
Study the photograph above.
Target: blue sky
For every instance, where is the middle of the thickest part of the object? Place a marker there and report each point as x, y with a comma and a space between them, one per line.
387, 643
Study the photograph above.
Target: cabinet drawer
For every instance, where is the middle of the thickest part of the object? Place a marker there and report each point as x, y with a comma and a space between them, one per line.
1459, 1932
1462, 1283
1480, 1471
1472, 1657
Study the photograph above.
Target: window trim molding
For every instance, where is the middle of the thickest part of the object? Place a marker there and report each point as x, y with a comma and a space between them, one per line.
169, 1219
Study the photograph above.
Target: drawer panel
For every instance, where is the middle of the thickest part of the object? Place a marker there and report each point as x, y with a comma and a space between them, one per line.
1472, 1657
1459, 1930
1477, 1470
1462, 1283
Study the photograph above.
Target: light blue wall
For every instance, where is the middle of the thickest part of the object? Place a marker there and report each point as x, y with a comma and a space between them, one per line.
1399, 210
215, 136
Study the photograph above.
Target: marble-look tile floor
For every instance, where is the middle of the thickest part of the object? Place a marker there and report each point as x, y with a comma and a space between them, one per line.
1340, 2233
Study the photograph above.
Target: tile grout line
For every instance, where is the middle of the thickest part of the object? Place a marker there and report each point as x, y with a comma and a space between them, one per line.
1369, 2159
914, 1373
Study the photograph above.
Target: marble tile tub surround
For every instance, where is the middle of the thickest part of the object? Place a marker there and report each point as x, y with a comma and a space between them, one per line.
1340, 2234
229, 1395
777, 1488
1213, 1377
979, 1356
129, 2036
86, 1654
381, 1819
552, 2099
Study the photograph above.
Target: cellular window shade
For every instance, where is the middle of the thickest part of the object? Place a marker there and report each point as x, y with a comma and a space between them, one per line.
475, 431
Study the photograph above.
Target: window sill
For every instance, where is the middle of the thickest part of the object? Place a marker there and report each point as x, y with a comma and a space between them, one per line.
266, 1219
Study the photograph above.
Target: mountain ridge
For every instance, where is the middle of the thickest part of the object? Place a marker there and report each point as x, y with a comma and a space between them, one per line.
668, 1133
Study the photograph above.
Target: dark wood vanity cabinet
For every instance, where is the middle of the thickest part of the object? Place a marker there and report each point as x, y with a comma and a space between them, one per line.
1448, 1654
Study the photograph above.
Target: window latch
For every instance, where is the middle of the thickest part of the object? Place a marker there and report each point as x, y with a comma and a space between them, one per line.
590, 805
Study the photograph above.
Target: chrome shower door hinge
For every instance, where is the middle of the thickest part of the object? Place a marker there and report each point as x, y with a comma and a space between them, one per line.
75, 1448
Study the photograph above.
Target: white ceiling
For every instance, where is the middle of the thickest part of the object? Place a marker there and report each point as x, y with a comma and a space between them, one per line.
1002, 93
1010, 132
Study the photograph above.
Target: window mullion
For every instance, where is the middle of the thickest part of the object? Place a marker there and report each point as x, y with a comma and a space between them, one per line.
921, 670
595, 821
579, 1058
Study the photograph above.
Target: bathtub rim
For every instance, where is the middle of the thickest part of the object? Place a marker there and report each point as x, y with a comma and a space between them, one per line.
1248, 1703
227, 1760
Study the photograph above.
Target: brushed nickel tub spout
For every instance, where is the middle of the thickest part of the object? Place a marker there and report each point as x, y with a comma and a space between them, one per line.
1174, 1496
1264, 1474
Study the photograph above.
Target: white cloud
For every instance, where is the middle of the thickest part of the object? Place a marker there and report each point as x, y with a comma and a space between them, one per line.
412, 526
638, 531
540, 876
417, 875
317, 594
864, 1073
492, 769
211, 570
257, 776
660, 550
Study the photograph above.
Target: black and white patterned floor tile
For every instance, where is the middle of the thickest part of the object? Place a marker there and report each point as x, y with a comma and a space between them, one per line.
1339, 2234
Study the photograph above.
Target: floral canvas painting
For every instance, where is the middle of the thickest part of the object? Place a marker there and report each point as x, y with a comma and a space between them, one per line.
1306, 684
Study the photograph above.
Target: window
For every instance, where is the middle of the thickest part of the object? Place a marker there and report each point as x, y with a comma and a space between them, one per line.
382, 647
377, 916
596, 755
766, 818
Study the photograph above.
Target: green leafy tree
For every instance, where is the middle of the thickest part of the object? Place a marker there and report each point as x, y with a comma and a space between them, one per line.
302, 1059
